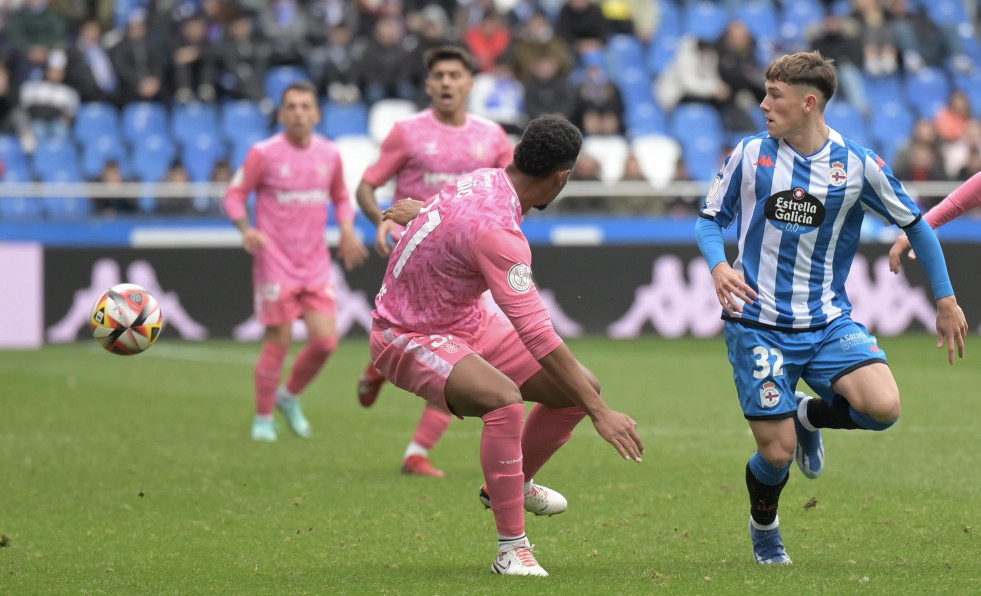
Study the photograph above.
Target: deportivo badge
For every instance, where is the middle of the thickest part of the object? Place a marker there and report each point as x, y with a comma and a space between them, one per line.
837, 176
769, 395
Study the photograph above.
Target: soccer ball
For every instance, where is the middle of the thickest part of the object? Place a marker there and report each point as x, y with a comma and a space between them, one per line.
126, 319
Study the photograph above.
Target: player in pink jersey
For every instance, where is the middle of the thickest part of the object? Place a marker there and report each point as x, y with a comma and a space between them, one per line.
432, 336
965, 197
293, 174
423, 153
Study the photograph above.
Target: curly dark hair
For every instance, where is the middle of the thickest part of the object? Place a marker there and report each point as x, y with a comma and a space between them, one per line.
549, 144
441, 53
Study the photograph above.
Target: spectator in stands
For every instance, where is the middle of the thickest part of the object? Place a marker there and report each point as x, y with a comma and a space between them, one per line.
631, 17
333, 64
286, 26
838, 38
924, 132
218, 15
957, 154
326, 14
489, 40
112, 176
924, 164
951, 120
241, 60
879, 49
598, 108
582, 26
497, 95
193, 61
535, 38
433, 31
50, 103
693, 76
13, 118
587, 170
35, 29
139, 62
177, 175
547, 89
384, 70
741, 73
90, 70
972, 165
922, 41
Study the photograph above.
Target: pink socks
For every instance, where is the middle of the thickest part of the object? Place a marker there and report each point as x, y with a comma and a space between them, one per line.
431, 427
500, 458
268, 372
545, 431
309, 362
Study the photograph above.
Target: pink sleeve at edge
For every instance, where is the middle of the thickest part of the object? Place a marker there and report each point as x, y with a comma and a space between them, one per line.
390, 161
242, 184
343, 212
965, 197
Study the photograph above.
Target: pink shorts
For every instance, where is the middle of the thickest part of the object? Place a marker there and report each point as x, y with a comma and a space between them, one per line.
421, 363
277, 304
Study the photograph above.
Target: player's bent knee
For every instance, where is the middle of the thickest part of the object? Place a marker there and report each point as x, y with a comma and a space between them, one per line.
323, 346
777, 455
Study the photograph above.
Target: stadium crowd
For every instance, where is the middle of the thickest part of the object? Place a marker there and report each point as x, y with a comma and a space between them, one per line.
176, 90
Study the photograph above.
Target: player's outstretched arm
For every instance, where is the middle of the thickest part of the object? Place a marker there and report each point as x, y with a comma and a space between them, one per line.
615, 427
951, 327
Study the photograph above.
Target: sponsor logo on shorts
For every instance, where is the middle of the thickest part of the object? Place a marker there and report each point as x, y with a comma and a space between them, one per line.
854, 340
769, 395
269, 292
519, 278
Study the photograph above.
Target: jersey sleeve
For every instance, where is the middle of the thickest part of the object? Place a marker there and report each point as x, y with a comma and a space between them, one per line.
343, 211
965, 197
721, 204
245, 180
503, 256
393, 156
504, 149
883, 193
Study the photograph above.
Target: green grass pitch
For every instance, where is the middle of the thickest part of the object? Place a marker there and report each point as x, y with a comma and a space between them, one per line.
135, 475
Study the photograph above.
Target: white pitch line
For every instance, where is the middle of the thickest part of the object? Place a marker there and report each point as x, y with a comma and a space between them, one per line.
200, 355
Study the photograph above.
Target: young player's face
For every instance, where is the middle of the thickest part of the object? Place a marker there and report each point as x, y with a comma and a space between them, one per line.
783, 108
449, 84
299, 114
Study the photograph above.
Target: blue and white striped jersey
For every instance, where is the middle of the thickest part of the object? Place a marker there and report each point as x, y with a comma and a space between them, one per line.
799, 219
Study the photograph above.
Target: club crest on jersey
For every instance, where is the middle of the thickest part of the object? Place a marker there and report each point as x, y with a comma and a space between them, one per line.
794, 211
519, 278
432, 148
769, 395
837, 176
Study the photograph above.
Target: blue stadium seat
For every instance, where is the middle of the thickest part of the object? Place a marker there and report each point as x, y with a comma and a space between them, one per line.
243, 118
761, 18
702, 154
636, 88
200, 156
190, 120
798, 16
661, 52
947, 12
843, 117
153, 156
689, 118
645, 119
11, 152
623, 52
95, 118
99, 149
57, 162
927, 90
879, 90
892, 125
241, 146
670, 20
971, 85
279, 78
21, 208
343, 118
144, 118
705, 20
